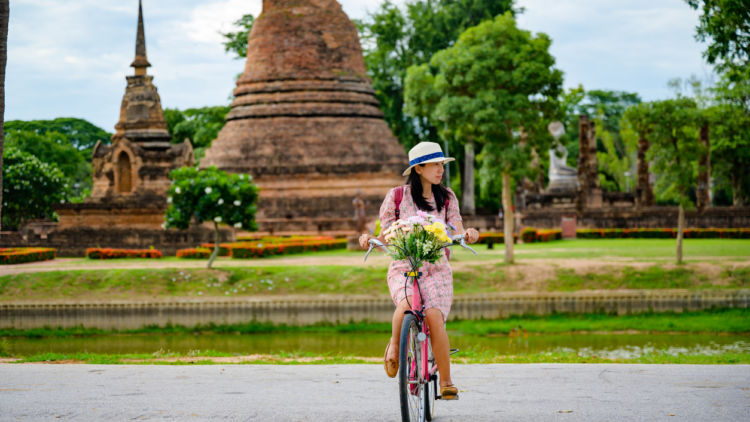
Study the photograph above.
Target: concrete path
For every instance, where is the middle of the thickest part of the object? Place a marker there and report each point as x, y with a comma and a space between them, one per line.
531, 392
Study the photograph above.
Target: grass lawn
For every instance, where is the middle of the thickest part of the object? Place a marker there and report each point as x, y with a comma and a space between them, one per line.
638, 249
143, 284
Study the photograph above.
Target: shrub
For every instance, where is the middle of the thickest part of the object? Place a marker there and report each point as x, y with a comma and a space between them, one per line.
528, 235
112, 253
545, 235
21, 255
260, 250
661, 233
194, 253
291, 243
494, 237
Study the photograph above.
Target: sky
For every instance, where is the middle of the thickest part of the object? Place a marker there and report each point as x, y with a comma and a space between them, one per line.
69, 58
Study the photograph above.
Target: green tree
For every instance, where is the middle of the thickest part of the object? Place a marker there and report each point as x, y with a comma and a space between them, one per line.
395, 38
211, 195
198, 125
496, 85
730, 134
674, 153
608, 106
617, 161
725, 24
730, 150
80, 133
236, 42
30, 189
55, 148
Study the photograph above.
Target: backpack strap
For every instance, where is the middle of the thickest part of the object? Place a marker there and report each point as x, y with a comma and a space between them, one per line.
398, 195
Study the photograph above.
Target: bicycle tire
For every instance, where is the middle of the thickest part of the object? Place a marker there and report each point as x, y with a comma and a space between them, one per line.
429, 386
411, 398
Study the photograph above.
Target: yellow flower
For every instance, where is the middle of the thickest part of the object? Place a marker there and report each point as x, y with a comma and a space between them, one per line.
439, 231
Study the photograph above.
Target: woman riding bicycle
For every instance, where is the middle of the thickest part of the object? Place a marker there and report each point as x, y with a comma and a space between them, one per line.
423, 192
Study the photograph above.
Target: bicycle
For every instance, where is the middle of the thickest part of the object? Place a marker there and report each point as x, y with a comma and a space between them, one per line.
417, 373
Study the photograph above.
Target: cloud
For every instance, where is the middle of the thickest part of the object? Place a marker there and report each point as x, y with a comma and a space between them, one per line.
71, 56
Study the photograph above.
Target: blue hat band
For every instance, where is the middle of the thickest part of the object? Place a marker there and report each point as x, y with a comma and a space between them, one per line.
424, 158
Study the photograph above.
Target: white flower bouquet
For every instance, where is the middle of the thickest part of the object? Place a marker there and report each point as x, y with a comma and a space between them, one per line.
419, 238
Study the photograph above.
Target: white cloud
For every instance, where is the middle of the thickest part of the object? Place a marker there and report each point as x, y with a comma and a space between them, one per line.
69, 57
208, 20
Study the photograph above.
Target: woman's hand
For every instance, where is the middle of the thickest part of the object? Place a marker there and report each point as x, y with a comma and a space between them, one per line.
472, 235
363, 240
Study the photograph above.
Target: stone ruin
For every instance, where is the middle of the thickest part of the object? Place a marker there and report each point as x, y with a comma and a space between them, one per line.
582, 200
305, 122
131, 176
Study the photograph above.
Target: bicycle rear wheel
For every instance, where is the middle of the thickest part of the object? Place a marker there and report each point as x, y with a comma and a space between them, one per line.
412, 393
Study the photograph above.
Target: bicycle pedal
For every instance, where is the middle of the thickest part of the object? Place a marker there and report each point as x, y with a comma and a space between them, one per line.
454, 351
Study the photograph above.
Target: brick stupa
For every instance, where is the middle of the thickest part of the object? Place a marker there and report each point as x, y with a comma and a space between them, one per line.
305, 122
131, 176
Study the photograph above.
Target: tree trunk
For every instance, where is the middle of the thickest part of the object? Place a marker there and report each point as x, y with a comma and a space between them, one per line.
680, 229
467, 183
703, 192
4, 13
507, 218
737, 191
644, 195
216, 245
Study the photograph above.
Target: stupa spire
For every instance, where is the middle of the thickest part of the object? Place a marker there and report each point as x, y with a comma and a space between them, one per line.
140, 63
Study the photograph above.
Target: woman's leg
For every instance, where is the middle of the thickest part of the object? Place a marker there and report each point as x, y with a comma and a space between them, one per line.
440, 345
398, 318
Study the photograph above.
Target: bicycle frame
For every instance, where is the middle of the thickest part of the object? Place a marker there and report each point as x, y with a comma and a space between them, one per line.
428, 373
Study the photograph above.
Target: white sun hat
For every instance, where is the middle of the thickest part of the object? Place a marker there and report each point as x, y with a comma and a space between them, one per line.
426, 152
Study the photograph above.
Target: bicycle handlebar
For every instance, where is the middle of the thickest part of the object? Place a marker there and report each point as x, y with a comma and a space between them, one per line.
459, 240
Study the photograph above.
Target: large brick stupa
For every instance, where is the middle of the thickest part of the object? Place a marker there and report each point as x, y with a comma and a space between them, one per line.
305, 122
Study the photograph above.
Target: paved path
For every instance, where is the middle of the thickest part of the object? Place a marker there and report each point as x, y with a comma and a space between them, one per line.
530, 392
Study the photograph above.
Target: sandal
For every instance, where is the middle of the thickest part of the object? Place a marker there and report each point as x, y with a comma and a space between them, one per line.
391, 366
449, 392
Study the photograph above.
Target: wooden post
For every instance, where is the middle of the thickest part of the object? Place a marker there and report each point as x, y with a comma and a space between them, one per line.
507, 218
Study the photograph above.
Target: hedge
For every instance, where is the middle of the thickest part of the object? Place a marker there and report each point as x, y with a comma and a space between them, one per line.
260, 250
21, 255
194, 253
112, 253
225, 249
494, 237
530, 235
669, 233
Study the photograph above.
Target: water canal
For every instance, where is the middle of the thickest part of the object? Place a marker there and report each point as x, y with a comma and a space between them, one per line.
622, 346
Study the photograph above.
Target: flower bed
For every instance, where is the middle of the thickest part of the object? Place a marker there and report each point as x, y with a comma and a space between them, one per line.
669, 233
21, 255
531, 235
260, 250
225, 249
494, 237
112, 253
194, 253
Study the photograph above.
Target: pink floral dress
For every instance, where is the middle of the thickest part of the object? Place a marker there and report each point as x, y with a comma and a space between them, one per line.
436, 282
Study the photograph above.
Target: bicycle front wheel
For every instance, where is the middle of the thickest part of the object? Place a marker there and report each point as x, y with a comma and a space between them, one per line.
411, 385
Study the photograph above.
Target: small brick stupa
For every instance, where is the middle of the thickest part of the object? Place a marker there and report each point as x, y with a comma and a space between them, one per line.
131, 176
305, 122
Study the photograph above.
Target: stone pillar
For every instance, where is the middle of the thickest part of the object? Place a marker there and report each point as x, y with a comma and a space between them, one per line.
589, 193
703, 192
644, 194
